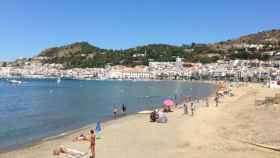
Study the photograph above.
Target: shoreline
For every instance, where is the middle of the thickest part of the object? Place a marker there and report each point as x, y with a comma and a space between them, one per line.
105, 121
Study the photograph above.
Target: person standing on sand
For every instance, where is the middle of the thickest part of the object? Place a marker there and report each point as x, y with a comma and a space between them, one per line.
92, 143
207, 102
124, 108
192, 108
217, 100
115, 111
91, 139
186, 109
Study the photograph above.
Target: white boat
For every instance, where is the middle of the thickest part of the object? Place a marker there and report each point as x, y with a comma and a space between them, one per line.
16, 82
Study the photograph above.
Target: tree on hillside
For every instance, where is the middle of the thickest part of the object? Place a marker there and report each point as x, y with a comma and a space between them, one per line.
4, 64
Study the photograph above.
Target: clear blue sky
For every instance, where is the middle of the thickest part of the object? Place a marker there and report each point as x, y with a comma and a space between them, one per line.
29, 26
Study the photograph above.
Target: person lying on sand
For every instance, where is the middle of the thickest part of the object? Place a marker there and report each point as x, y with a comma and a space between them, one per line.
80, 138
71, 153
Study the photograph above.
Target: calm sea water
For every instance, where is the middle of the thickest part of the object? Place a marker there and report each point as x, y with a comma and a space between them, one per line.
42, 108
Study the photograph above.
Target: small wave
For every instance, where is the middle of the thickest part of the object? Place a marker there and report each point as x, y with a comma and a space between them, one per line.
149, 96
55, 137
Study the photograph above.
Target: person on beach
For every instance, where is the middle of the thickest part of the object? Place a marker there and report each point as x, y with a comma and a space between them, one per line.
91, 138
153, 116
115, 111
186, 112
162, 118
92, 143
71, 153
123, 108
217, 100
80, 138
207, 102
192, 108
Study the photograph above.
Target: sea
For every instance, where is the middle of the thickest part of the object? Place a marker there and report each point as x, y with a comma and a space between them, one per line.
38, 109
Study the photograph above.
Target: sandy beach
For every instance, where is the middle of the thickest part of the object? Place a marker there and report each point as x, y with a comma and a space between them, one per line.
218, 132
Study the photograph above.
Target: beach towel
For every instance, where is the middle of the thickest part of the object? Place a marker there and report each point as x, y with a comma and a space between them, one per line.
98, 130
76, 156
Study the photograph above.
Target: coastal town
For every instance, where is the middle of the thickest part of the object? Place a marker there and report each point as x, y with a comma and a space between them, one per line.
139, 79
235, 70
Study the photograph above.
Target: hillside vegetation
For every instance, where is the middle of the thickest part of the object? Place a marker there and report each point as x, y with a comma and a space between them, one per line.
83, 54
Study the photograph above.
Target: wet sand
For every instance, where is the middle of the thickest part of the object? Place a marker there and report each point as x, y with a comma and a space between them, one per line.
216, 132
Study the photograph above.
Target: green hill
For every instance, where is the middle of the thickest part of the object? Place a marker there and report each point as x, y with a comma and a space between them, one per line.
83, 54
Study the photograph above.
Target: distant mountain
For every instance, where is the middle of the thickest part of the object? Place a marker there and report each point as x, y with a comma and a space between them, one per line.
83, 54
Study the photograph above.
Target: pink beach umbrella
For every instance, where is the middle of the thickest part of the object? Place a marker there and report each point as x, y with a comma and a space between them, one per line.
168, 102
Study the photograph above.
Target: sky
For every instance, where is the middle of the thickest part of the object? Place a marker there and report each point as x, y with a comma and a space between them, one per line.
30, 26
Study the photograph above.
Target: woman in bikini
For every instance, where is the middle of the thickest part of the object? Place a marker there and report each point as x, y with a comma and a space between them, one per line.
92, 143
91, 139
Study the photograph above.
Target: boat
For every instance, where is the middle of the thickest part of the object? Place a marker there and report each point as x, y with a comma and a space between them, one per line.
15, 82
